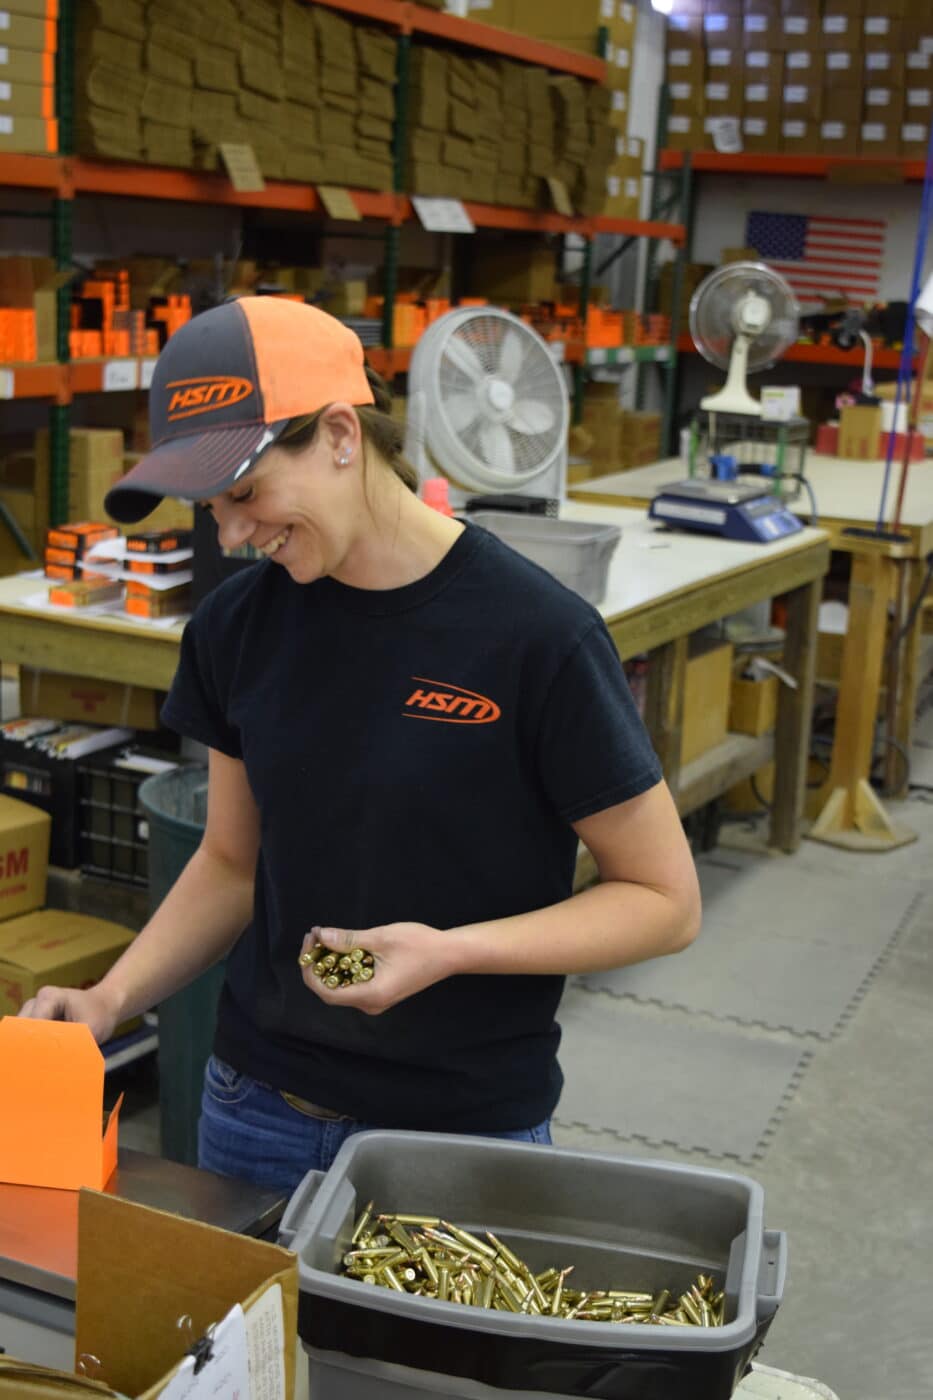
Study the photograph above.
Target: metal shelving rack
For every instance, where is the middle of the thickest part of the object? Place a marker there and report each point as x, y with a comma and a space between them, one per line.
67, 177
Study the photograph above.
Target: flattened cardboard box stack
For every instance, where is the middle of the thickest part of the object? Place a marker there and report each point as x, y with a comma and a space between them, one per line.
834, 77
310, 92
28, 41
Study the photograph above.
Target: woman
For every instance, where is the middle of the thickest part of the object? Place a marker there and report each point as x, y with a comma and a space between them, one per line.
409, 726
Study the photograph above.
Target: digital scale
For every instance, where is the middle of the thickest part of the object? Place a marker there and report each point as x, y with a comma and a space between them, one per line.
732, 509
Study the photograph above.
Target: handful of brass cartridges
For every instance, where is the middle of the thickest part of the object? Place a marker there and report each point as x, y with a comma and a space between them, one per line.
339, 969
430, 1258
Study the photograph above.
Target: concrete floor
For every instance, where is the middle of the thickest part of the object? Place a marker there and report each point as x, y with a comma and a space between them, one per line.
848, 1173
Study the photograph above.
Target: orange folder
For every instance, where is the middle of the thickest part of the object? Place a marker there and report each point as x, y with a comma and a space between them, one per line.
51, 1106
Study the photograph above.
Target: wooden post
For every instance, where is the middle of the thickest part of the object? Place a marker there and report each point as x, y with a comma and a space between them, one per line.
853, 816
795, 708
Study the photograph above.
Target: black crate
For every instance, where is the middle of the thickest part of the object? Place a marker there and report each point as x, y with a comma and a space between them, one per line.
113, 839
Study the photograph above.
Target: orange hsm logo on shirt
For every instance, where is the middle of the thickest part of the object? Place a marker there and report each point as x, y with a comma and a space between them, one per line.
205, 394
452, 704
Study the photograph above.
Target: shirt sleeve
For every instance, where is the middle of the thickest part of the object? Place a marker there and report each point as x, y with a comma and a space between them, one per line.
593, 748
197, 704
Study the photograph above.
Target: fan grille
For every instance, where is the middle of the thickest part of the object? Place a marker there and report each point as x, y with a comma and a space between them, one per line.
485, 338
713, 304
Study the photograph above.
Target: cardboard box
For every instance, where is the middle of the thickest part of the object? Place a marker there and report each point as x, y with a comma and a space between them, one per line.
688, 99
27, 99
839, 138
798, 32
724, 97
915, 138
753, 705
129, 1302
881, 139
798, 134
860, 433
918, 102
761, 133
843, 104
26, 66
839, 32
685, 133
761, 31
24, 857
885, 67
761, 99
881, 32
804, 66
79, 698
685, 31
801, 100
27, 32
31, 135
763, 66
722, 62
54, 947
517, 274
686, 66
843, 68
884, 104
707, 691
723, 31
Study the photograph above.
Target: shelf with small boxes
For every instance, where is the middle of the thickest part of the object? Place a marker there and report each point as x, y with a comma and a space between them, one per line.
820, 167
812, 354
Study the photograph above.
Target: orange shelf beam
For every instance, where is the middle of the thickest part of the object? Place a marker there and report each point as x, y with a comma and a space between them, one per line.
822, 355
471, 33
796, 166
31, 172
640, 228
34, 381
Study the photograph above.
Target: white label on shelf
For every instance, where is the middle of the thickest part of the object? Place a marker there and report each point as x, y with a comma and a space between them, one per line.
757, 58
796, 130
613, 186
610, 54
911, 131
6, 126
726, 133
796, 24
557, 350
4, 19
918, 60
597, 357
4, 54
6, 92
679, 58
606, 9
719, 58
878, 62
874, 131
754, 126
681, 92
145, 373
680, 124
757, 92
716, 24
623, 58
7, 384
833, 131
619, 100
632, 187
796, 93
878, 97
120, 374
800, 59
919, 97
877, 24
756, 24
839, 59
717, 92
442, 215
627, 12
835, 24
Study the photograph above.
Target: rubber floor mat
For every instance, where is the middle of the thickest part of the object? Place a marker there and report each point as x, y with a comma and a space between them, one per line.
670, 1081
783, 945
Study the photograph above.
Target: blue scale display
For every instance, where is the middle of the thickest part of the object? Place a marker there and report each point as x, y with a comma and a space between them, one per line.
734, 510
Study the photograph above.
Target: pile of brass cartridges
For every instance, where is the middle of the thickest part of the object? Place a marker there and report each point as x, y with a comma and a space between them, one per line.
339, 969
430, 1258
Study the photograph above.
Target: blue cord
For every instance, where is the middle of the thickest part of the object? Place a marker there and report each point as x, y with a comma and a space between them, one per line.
904, 370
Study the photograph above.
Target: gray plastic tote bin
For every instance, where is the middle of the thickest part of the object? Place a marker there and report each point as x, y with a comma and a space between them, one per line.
176, 805
621, 1222
576, 552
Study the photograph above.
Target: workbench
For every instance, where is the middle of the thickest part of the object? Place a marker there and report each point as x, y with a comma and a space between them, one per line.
847, 494
661, 588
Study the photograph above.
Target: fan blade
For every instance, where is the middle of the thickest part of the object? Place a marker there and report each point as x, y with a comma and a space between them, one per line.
461, 410
497, 447
530, 417
465, 358
510, 357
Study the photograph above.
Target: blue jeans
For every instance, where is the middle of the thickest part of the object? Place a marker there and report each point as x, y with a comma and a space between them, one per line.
250, 1130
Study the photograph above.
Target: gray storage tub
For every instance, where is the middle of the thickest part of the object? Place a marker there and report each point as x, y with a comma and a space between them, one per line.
574, 551
621, 1222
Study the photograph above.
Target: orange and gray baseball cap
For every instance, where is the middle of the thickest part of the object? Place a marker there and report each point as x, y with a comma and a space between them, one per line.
224, 389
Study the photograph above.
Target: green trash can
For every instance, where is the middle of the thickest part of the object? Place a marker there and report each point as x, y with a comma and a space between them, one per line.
176, 807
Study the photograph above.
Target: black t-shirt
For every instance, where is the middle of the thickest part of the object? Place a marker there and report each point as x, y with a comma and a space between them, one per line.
416, 754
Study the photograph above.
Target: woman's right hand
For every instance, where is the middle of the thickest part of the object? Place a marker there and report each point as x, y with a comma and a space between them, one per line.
91, 1006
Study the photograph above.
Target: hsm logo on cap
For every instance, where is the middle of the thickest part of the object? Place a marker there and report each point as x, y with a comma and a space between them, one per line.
450, 703
205, 395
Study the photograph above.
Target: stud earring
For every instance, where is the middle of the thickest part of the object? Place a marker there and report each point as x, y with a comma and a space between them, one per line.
344, 459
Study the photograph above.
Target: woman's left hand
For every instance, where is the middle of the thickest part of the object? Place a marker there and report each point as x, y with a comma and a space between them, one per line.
407, 957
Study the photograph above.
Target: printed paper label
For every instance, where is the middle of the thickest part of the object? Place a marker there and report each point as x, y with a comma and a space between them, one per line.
878, 61
796, 24
442, 215
4, 19
679, 58
840, 59
910, 132
6, 125
7, 384
800, 59
919, 97
145, 373
681, 91
873, 131
879, 24
120, 374
796, 94
877, 97
756, 24
836, 24
794, 129
833, 131
757, 92
5, 92
719, 58
757, 58
717, 92
715, 24
755, 126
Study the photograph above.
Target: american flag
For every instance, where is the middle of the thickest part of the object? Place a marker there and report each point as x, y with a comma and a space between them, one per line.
821, 257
